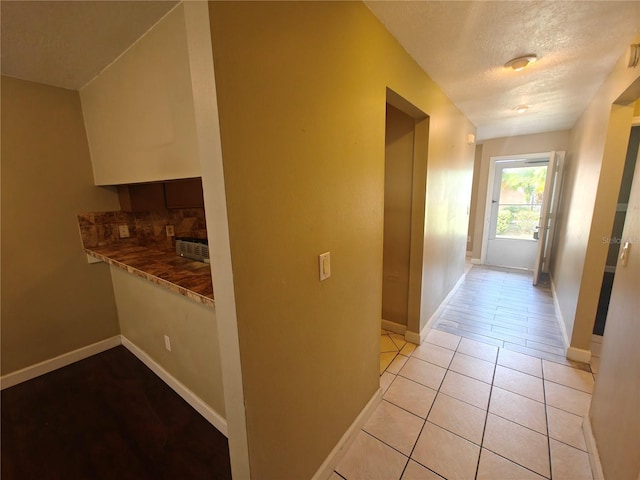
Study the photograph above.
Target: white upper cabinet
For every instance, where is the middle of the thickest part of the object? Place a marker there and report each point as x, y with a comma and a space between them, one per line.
139, 112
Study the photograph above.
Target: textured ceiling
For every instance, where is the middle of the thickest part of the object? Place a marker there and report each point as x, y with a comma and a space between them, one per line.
67, 44
463, 46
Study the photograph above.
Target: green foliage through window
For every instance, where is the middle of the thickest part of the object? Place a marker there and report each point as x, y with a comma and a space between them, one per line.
523, 187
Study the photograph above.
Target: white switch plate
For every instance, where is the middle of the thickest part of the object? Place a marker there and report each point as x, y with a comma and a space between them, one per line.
124, 231
624, 254
324, 264
167, 343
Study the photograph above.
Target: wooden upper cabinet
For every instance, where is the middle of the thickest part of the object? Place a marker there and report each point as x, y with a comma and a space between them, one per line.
143, 197
157, 196
184, 193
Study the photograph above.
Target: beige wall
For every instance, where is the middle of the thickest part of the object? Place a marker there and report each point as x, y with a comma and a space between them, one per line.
53, 301
593, 171
139, 111
520, 145
615, 416
147, 313
301, 95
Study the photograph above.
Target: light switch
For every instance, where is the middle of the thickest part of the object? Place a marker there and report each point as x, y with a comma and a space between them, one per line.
624, 254
324, 263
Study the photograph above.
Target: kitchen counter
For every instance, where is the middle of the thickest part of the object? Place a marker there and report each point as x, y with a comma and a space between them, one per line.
181, 275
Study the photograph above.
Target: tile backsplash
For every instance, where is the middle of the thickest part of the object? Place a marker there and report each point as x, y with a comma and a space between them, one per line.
146, 229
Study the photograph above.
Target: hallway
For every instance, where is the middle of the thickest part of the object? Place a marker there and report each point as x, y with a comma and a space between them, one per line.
501, 307
488, 394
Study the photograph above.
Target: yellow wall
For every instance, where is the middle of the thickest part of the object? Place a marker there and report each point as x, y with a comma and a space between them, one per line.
301, 94
615, 416
520, 145
147, 313
139, 111
593, 171
53, 301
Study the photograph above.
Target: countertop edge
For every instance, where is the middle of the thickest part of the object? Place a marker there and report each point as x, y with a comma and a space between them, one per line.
152, 278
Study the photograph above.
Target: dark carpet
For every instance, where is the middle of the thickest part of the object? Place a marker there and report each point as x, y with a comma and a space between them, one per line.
106, 417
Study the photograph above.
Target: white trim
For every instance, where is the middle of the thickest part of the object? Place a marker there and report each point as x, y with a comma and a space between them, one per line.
476, 261
592, 448
46, 366
579, 354
572, 353
419, 338
561, 323
413, 337
393, 326
213, 188
331, 462
92, 259
213, 417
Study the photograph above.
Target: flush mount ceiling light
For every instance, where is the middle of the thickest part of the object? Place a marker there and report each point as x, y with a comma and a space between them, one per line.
520, 63
522, 108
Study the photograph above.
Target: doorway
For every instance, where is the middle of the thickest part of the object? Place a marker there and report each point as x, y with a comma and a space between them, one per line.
398, 180
406, 134
516, 208
615, 238
520, 211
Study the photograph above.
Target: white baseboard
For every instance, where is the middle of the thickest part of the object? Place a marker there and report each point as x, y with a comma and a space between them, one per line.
561, 323
419, 338
393, 327
331, 462
213, 417
579, 355
413, 337
592, 448
29, 373
572, 353
33, 371
476, 261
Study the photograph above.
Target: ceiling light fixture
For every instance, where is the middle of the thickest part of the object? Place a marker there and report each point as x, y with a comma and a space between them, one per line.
520, 63
522, 108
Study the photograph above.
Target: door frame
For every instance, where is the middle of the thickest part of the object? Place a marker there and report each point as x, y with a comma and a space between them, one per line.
548, 220
489, 197
411, 330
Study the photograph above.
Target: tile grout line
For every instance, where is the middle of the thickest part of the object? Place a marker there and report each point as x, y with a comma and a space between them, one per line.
546, 415
531, 319
486, 417
429, 412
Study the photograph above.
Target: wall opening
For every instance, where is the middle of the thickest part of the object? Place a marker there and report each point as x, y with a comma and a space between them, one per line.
406, 136
615, 238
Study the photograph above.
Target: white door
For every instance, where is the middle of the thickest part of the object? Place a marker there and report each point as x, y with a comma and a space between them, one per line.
515, 212
546, 228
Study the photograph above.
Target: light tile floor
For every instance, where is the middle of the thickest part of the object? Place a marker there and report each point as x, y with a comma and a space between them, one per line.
458, 408
501, 307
